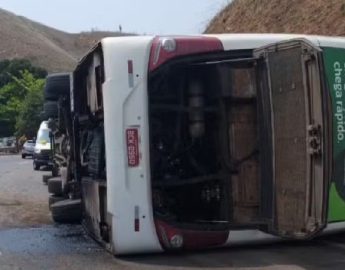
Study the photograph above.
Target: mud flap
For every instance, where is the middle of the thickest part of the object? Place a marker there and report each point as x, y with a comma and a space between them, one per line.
290, 83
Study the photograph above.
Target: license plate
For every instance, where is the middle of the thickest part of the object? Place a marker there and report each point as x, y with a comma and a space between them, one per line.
132, 136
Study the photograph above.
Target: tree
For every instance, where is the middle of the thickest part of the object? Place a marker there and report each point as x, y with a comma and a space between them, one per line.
29, 118
17, 78
11, 98
13, 68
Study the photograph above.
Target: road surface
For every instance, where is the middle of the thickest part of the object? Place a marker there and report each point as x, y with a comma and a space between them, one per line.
29, 240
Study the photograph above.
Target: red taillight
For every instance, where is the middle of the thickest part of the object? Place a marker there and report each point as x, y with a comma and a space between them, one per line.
173, 238
169, 237
164, 49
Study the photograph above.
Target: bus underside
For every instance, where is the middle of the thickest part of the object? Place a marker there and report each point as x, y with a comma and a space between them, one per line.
204, 144
236, 143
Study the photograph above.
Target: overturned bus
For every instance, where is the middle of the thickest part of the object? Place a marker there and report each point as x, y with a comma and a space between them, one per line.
186, 142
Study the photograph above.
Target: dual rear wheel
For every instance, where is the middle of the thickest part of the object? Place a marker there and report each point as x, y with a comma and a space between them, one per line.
63, 209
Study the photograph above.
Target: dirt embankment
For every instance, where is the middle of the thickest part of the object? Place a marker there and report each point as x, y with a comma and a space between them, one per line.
281, 16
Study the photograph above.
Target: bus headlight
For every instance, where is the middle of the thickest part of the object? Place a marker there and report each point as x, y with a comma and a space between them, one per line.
168, 44
37, 151
176, 241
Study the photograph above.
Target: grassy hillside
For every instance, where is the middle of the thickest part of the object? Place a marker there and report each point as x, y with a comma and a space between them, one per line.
281, 16
44, 46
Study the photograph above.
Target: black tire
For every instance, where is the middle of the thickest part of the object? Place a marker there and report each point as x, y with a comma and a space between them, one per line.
61, 119
23, 156
50, 109
55, 171
67, 211
57, 85
36, 166
55, 186
54, 199
43, 116
45, 178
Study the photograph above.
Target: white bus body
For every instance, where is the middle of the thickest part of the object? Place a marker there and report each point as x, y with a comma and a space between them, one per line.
125, 207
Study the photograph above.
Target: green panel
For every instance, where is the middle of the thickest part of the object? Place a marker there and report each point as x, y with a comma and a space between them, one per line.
334, 59
336, 206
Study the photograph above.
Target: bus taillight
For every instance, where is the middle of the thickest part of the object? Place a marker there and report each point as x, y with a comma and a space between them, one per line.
166, 48
173, 238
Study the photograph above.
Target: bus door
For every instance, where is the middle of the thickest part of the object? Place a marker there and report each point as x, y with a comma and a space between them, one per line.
295, 134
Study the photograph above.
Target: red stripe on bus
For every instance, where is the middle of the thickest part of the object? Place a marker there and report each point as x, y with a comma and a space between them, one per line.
130, 67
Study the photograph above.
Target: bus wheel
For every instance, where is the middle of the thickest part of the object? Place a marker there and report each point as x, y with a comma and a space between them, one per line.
54, 199
50, 109
36, 166
56, 86
66, 211
45, 178
55, 170
55, 186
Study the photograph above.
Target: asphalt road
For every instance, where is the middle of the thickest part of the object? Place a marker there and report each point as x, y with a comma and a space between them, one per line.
29, 239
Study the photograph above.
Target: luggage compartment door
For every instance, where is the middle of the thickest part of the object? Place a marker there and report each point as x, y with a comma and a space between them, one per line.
291, 84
